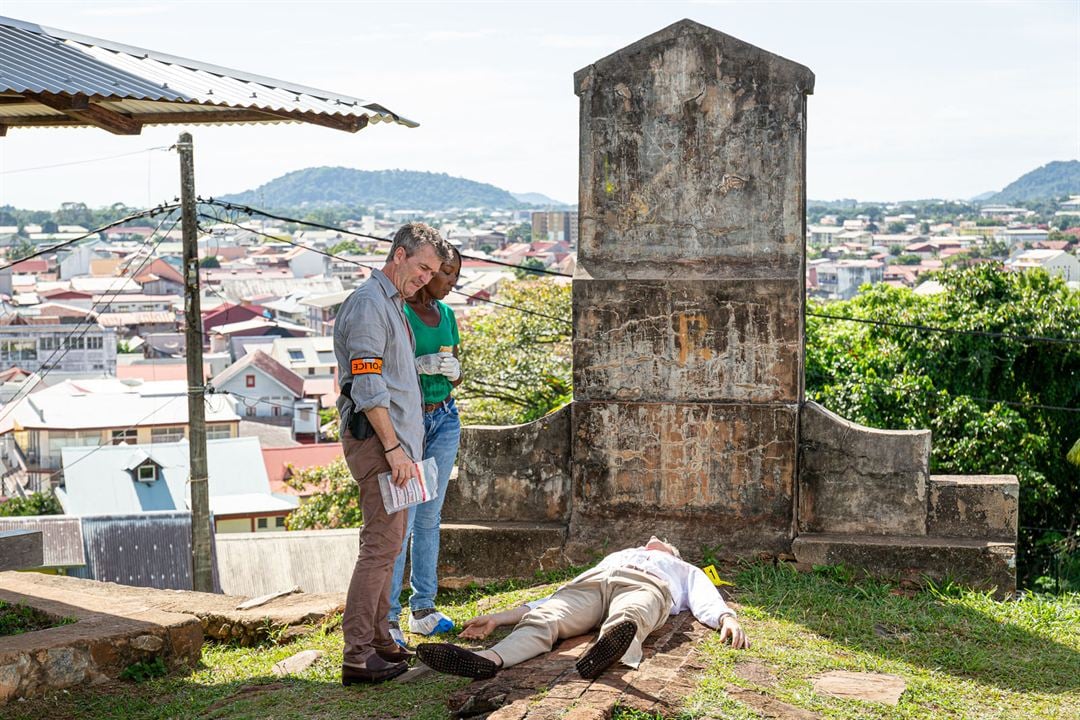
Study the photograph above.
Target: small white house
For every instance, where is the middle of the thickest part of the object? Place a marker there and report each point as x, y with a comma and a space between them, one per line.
264, 388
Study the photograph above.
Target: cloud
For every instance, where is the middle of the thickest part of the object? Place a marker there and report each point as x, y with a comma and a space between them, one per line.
123, 11
587, 42
437, 35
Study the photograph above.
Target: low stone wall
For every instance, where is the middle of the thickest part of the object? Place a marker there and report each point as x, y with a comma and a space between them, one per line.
106, 638
856, 479
519, 473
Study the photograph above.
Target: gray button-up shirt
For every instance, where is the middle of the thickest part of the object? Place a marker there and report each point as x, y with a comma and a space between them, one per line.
375, 352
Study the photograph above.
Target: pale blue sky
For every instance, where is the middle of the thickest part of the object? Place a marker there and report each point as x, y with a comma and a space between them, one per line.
913, 99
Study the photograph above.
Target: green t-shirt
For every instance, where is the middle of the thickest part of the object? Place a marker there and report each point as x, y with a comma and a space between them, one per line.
428, 341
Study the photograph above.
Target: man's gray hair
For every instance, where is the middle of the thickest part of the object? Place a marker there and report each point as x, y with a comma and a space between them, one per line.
416, 235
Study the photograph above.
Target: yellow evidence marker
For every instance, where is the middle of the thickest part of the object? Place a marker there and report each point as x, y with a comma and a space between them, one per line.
710, 572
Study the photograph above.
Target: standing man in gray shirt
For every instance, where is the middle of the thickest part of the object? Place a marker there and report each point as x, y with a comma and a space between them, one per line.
382, 429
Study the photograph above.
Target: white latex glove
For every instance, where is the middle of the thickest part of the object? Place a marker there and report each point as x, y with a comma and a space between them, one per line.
450, 367
429, 364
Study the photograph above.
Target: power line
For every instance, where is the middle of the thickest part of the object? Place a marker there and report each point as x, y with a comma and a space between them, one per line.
83, 162
255, 211
950, 331
257, 401
883, 383
65, 344
138, 423
372, 267
134, 216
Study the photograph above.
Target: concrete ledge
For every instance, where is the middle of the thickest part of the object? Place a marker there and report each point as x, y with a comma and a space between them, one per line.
983, 564
974, 506
860, 480
481, 553
107, 637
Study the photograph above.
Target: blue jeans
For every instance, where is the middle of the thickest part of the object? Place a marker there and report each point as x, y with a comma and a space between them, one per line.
442, 431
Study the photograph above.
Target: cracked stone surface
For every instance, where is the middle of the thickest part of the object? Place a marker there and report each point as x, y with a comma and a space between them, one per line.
874, 687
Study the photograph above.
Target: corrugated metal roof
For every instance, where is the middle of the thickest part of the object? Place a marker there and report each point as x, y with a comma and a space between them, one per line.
61, 537
145, 550
67, 79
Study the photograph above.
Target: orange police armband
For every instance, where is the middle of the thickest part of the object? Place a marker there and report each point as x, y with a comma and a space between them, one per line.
366, 366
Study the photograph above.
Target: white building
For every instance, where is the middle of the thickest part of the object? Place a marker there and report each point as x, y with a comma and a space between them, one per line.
841, 279
1055, 262
68, 348
265, 388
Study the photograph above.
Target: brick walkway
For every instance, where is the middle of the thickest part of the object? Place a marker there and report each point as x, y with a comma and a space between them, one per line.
548, 687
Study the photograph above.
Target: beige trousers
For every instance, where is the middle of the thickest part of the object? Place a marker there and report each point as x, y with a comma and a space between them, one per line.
602, 598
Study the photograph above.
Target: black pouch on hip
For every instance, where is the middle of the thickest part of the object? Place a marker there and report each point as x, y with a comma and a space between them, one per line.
355, 420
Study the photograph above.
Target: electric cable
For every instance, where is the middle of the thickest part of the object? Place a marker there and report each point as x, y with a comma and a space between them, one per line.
127, 218
247, 209
369, 267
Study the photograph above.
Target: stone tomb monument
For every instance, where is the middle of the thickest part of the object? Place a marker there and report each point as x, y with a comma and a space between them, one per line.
689, 415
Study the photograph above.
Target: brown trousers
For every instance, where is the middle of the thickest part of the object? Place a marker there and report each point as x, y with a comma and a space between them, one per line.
364, 623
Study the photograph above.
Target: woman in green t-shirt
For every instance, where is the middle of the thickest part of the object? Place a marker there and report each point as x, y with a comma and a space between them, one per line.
436, 333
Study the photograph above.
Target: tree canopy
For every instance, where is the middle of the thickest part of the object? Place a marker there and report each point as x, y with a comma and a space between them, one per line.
517, 365
994, 404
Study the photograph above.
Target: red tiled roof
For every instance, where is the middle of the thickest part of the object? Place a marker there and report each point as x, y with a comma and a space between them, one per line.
300, 457
268, 365
159, 270
32, 265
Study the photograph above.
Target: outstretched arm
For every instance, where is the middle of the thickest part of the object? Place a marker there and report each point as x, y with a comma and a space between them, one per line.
709, 607
481, 626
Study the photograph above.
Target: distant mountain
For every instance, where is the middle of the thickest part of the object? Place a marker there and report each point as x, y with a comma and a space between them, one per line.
984, 196
1054, 179
537, 199
400, 189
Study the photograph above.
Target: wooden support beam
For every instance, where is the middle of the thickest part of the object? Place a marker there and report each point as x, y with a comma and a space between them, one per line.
81, 108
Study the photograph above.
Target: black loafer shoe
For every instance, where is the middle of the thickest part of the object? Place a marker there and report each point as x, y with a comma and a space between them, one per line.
375, 670
454, 660
395, 654
610, 647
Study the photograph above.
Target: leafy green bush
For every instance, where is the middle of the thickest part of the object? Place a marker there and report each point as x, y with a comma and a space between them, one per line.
517, 365
979, 394
145, 670
42, 503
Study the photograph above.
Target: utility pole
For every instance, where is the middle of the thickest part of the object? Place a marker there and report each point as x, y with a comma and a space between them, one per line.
202, 571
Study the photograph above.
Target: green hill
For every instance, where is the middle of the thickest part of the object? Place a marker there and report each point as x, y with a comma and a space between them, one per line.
1052, 180
400, 189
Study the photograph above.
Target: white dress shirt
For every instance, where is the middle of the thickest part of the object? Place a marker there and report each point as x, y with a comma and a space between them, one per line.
690, 587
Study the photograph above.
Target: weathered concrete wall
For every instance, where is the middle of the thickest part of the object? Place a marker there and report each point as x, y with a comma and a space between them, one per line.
855, 479
707, 340
514, 474
985, 507
688, 293
254, 564
704, 473
983, 564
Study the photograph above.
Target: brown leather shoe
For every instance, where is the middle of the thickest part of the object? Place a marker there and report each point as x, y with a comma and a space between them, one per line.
395, 653
375, 670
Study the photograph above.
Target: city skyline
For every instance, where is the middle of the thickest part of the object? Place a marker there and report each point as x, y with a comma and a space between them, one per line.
912, 100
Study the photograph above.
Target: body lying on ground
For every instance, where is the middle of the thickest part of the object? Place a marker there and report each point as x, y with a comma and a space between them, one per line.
629, 594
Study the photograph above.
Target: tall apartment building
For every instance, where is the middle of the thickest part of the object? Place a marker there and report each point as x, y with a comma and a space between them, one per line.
555, 226
37, 347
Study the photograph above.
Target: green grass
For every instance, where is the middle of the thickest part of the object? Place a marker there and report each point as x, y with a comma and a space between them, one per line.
16, 618
961, 653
